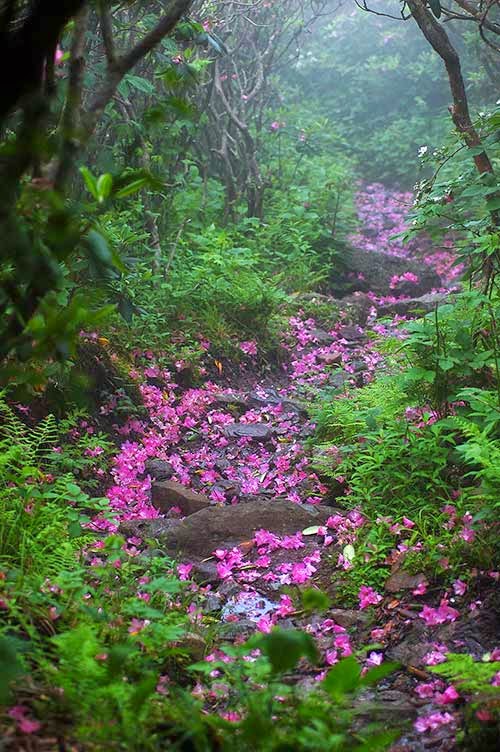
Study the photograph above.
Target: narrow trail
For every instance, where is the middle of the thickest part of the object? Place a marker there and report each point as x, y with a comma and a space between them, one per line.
222, 476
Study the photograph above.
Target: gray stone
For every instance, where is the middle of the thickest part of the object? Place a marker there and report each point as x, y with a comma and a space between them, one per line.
167, 494
423, 304
159, 469
377, 270
256, 431
225, 527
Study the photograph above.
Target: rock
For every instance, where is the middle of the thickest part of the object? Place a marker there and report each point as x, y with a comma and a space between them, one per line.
377, 270
401, 580
423, 304
351, 333
228, 401
356, 308
347, 618
274, 399
257, 431
330, 359
225, 527
322, 337
167, 494
358, 366
159, 469
158, 530
338, 380
233, 629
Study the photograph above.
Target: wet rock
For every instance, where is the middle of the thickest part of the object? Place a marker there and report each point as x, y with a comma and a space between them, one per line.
356, 308
358, 366
348, 618
330, 358
338, 380
233, 629
255, 431
225, 527
167, 494
229, 401
273, 399
159, 469
423, 304
401, 580
221, 464
148, 529
322, 337
372, 271
351, 333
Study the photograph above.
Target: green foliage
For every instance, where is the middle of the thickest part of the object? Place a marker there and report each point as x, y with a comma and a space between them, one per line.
452, 347
469, 675
276, 715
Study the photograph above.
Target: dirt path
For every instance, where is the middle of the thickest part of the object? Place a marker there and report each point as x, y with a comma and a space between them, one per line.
223, 478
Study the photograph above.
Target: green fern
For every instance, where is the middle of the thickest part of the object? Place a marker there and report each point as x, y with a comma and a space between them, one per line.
469, 675
32, 443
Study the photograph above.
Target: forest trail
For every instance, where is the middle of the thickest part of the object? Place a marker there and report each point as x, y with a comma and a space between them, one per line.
221, 477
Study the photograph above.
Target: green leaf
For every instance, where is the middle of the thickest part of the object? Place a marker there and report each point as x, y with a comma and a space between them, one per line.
74, 529
104, 186
377, 673
285, 647
133, 187
90, 182
343, 678
141, 84
98, 248
313, 530
348, 552
493, 204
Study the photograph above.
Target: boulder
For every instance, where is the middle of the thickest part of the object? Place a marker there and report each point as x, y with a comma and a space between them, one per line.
367, 271
225, 527
167, 494
230, 402
322, 337
255, 431
423, 304
273, 399
159, 469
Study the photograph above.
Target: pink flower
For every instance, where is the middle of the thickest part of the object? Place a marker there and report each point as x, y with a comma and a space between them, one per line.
25, 725
484, 715
459, 587
432, 722
184, 570
368, 597
265, 624
374, 659
408, 523
468, 534
496, 680
434, 657
421, 589
136, 625
331, 657
425, 691
449, 695
440, 615
249, 348
285, 607
28, 726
